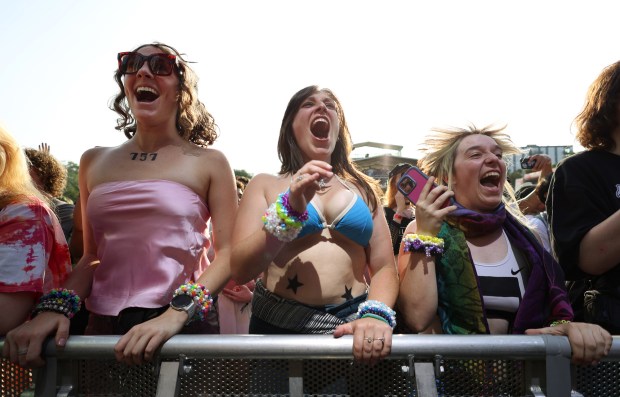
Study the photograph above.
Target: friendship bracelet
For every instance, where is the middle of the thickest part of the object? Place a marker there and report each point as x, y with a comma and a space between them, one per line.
421, 243
282, 221
374, 308
59, 300
202, 298
370, 315
558, 322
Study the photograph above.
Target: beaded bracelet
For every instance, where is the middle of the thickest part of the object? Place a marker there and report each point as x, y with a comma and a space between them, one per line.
202, 298
558, 322
282, 221
59, 300
376, 309
421, 243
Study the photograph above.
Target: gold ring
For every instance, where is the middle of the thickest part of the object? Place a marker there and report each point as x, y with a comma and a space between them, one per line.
369, 339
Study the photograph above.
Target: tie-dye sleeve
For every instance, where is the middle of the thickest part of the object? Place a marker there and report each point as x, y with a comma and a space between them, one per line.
33, 252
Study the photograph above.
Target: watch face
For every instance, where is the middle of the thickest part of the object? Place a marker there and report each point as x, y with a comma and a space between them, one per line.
181, 301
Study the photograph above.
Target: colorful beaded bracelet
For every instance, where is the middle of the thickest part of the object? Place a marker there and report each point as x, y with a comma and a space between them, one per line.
421, 243
374, 308
59, 300
558, 322
202, 298
282, 221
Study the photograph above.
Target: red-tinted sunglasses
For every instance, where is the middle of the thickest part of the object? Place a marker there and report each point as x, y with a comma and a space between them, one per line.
160, 64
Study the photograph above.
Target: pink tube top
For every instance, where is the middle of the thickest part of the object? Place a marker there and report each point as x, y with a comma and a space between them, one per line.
151, 237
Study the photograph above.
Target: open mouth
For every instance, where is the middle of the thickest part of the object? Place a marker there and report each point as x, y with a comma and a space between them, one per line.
490, 179
146, 94
320, 127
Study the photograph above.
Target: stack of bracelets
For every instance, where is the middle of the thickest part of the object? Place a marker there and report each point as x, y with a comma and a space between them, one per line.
378, 311
61, 300
282, 221
420, 243
202, 298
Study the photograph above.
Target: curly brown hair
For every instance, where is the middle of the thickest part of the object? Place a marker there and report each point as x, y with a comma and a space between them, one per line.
599, 117
194, 123
52, 174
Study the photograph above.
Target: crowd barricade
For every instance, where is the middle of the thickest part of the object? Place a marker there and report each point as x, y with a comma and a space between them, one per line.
318, 365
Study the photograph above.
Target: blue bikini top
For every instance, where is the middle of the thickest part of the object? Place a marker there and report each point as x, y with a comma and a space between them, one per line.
354, 222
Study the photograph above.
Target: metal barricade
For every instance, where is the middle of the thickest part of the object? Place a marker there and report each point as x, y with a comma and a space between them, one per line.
319, 365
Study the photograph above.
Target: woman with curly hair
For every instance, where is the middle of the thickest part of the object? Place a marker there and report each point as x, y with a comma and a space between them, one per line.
50, 176
146, 204
584, 201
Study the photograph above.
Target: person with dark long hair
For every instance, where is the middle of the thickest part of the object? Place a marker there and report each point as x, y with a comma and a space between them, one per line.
315, 229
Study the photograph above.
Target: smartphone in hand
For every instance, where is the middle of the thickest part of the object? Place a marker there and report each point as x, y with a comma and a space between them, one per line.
411, 184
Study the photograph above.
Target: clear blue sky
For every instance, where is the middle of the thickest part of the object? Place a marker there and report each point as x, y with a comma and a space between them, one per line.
398, 67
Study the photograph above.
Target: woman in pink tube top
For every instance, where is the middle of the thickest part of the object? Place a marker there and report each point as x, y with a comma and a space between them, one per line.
146, 203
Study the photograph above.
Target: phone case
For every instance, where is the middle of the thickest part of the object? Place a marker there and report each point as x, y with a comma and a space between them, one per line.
411, 184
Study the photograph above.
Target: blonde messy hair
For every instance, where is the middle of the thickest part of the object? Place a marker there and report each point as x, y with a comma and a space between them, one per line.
15, 181
439, 152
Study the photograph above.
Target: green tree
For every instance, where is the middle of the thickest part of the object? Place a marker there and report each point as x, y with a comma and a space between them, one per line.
72, 190
243, 173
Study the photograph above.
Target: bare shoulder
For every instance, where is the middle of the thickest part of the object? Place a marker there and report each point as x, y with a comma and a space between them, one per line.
265, 180
214, 157
93, 153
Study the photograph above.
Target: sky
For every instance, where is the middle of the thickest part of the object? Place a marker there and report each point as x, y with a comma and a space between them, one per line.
399, 68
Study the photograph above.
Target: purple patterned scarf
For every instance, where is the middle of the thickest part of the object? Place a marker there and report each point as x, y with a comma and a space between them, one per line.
460, 305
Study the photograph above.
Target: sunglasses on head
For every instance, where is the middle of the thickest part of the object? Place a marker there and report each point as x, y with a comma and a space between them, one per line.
160, 64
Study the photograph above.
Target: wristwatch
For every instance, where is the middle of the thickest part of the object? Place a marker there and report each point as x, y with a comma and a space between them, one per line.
184, 303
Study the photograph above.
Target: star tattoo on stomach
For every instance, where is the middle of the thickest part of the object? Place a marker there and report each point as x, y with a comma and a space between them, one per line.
294, 284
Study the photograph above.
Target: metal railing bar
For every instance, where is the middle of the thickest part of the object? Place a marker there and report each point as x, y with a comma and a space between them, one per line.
511, 347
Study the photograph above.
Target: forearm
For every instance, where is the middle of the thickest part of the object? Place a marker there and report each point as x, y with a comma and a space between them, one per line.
253, 255
215, 277
599, 250
417, 298
15, 306
384, 286
81, 278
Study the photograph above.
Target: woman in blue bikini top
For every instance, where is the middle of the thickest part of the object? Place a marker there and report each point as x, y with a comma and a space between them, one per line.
317, 233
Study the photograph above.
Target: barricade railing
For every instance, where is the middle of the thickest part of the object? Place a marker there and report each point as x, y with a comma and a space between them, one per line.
319, 365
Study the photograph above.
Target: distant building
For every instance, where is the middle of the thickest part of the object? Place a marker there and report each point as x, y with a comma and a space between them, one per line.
556, 153
377, 159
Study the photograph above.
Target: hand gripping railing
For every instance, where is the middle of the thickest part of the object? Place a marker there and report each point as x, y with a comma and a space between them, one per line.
547, 358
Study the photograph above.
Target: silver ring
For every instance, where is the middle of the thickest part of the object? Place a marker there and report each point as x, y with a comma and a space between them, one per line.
369, 339
299, 178
22, 352
382, 339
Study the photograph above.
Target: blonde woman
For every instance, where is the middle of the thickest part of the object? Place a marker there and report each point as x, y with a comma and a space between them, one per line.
474, 267
34, 257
